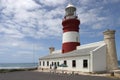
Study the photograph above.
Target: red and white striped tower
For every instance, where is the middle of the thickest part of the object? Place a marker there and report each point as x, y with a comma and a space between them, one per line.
70, 30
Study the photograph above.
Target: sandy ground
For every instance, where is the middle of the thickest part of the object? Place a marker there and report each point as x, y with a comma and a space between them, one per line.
34, 75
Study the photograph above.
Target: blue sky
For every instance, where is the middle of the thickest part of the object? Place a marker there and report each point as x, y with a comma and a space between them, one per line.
29, 27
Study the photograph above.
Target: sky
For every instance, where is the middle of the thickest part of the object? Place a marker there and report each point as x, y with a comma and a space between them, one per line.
29, 27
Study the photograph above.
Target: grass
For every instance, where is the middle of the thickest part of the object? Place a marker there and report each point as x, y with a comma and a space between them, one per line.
13, 70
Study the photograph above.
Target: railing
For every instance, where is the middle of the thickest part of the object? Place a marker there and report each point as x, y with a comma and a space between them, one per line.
70, 17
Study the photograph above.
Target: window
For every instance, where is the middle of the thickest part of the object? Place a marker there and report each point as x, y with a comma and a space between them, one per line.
57, 63
73, 63
40, 63
52, 63
85, 63
43, 63
65, 62
47, 63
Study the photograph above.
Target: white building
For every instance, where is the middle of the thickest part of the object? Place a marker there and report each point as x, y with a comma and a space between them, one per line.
87, 58
93, 57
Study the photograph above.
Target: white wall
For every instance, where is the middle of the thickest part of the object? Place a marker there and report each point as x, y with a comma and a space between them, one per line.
71, 36
79, 63
50, 62
98, 59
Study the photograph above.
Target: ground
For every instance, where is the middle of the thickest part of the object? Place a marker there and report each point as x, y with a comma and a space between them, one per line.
34, 75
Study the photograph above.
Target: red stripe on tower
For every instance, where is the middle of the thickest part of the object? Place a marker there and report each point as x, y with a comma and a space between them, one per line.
70, 30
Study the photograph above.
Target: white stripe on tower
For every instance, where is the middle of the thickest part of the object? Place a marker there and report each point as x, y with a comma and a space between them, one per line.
71, 36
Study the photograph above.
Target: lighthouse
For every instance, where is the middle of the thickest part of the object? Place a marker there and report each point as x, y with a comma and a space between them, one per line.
93, 57
70, 25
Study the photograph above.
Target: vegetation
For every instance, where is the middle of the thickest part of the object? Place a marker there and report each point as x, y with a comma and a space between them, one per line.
13, 70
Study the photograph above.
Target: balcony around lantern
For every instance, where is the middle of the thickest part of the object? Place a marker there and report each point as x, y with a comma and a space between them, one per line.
70, 17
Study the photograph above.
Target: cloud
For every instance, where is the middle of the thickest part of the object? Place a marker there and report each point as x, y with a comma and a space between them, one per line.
23, 53
51, 2
23, 22
27, 18
20, 5
20, 44
86, 2
91, 18
110, 1
42, 18
98, 16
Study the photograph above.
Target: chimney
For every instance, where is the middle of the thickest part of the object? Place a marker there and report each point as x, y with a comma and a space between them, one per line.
109, 38
51, 49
